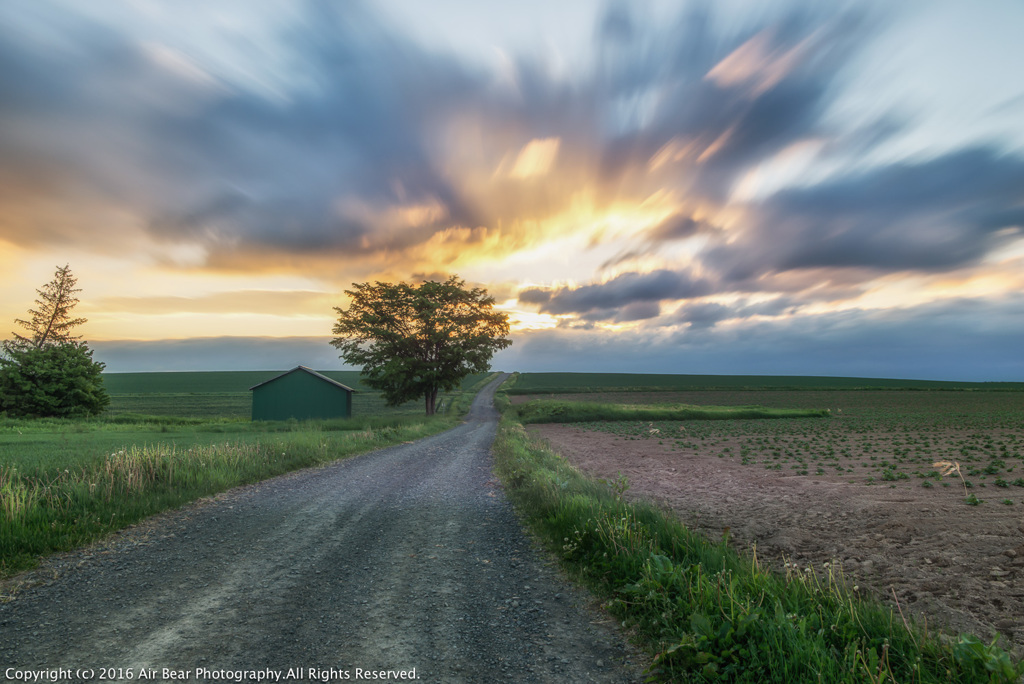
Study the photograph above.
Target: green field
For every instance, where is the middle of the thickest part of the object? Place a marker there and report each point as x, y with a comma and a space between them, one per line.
150, 408
206, 382
225, 394
548, 383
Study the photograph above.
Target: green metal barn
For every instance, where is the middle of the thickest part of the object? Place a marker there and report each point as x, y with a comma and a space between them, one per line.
300, 393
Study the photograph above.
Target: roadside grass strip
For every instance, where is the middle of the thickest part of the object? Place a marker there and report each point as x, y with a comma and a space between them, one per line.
47, 509
709, 614
554, 411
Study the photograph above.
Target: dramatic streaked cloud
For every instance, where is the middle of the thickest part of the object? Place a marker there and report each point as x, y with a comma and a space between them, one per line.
696, 172
939, 214
625, 290
339, 164
368, 151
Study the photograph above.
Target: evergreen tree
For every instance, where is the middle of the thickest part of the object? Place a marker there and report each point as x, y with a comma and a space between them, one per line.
52, 322
49, 372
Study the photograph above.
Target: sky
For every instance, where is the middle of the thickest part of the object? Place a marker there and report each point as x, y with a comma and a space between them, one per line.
736, 187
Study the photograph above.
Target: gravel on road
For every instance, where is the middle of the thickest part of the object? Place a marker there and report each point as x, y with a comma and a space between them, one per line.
406, 558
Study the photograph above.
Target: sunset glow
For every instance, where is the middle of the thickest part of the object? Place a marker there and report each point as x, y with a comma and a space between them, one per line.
681, 188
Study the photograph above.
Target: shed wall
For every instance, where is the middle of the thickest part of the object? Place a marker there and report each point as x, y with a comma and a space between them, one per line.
301, 396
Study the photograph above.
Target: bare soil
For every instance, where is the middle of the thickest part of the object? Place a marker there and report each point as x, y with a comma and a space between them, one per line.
405, 558
951, 565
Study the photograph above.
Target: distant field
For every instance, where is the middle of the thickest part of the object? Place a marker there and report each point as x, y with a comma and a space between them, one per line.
205, 382
550, 383
225, 394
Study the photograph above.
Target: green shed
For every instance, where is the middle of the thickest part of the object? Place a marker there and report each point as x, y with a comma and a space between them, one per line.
300, 393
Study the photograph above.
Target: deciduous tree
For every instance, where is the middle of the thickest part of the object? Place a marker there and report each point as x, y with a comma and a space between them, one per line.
416, 341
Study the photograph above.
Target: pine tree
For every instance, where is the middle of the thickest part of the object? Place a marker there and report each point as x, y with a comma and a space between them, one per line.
50, 372
51, 322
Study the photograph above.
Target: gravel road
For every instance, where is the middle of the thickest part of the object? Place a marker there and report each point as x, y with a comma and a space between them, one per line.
406, 558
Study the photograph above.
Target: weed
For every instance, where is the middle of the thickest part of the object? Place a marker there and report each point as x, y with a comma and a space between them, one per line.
985, 662
620, 486
947, 467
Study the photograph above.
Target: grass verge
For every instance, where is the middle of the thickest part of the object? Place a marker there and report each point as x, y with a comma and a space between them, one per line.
552, 411
709, 614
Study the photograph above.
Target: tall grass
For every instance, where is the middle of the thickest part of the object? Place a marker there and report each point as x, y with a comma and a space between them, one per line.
707, 613
551, 411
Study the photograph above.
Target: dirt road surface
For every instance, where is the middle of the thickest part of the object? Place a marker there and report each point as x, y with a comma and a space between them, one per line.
407, 558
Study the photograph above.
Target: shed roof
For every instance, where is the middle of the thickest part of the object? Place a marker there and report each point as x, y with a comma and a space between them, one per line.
307, 370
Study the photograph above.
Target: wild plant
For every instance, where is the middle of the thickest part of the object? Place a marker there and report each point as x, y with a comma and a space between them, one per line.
948, 467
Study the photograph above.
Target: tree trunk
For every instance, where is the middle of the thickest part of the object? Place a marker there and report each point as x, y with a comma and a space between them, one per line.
431, 400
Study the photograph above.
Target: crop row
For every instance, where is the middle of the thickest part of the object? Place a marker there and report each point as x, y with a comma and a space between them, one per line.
863, 442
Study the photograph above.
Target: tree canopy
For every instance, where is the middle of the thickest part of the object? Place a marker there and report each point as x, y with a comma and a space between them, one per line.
416, 341
49, 372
